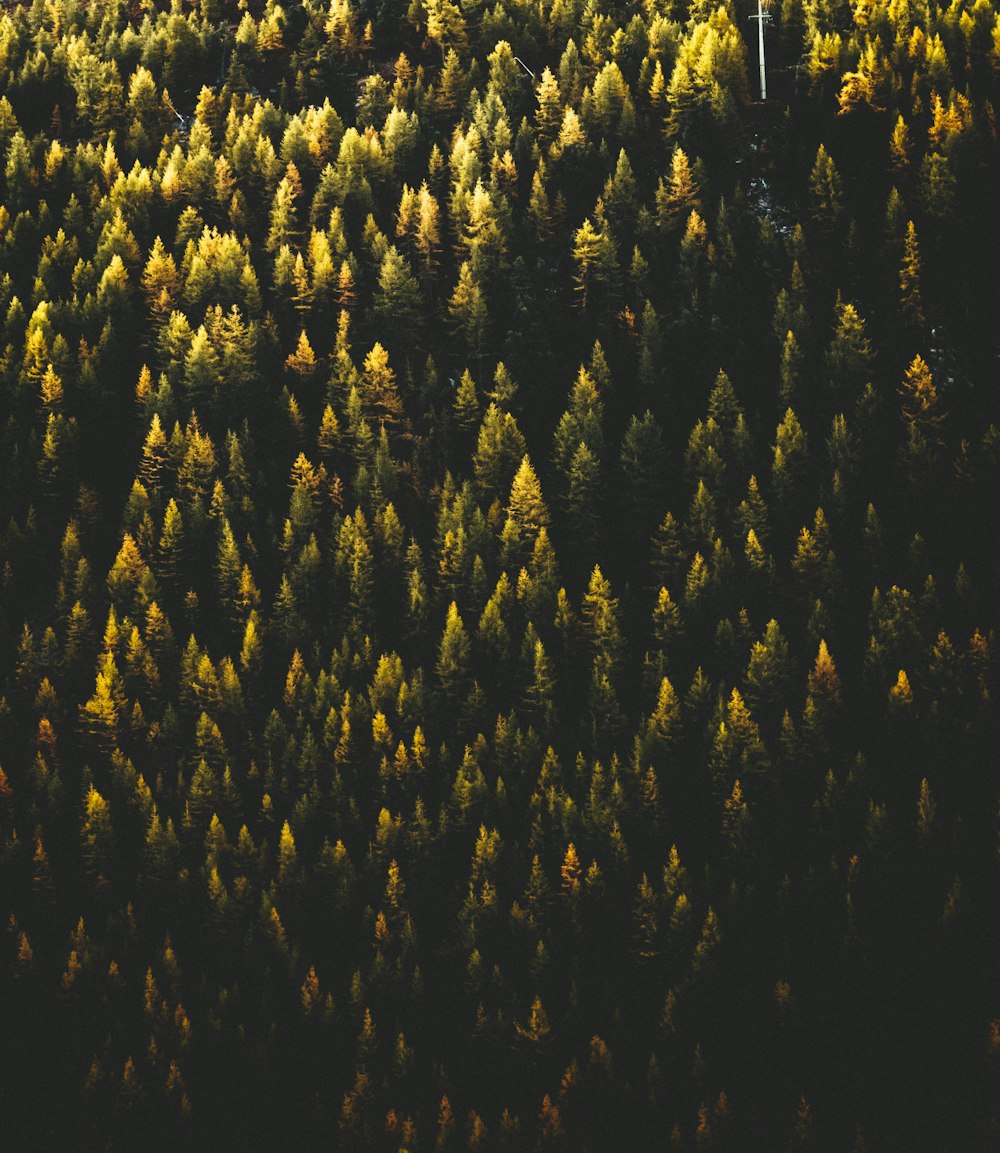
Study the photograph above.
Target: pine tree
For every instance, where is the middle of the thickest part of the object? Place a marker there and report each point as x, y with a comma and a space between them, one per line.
909, 279
445, 25
283, 228
397, 299
302, 362
679, 194
581, 423
453, 656
466, 406
849, 357
768, 670
938, 186
500, 448
378, 388
549, 113
171, 545
98, 836
526, 508
920, 398
825, 192
468, 310
583, 497
596, 259
900, 145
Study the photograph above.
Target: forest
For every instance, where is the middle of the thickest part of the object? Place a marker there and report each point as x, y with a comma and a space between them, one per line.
499, 550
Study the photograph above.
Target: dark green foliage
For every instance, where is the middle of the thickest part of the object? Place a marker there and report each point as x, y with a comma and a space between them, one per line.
497, 576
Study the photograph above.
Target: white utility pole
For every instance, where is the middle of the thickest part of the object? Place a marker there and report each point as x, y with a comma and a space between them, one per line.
760, 18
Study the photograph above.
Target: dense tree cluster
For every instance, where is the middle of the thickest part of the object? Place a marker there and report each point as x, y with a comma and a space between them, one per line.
498, 563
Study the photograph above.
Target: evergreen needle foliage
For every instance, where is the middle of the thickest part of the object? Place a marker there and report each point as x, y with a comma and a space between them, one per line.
498, 562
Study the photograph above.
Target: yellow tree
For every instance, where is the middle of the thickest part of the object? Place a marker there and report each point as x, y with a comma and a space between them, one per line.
378, 387
445, 25
909, 278
920, 398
